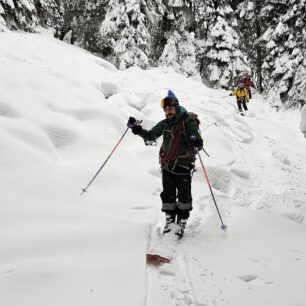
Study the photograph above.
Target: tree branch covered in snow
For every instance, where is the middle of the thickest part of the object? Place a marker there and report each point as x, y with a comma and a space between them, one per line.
284, 66
28, 14
274, 33
222, 60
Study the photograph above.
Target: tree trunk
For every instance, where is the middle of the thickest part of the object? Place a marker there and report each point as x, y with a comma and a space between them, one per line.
259, 53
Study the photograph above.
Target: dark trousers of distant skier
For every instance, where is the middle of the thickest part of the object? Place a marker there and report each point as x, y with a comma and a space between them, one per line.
176, 195
241, 103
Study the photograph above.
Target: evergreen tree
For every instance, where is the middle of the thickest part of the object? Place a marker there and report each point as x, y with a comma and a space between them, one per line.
252, 23
49, 12
82, 20
180, 54
222, 62
19, 14
179, 49
297, 93
2, 21
28, 14
284, 65
274, 31
124, 34
74, 10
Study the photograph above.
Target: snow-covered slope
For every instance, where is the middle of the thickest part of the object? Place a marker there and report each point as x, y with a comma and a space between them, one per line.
62, 111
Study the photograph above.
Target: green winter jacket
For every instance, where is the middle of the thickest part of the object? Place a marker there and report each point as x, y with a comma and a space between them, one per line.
167, 128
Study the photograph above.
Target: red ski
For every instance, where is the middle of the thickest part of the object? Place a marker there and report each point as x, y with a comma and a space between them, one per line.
156, 260
162, 248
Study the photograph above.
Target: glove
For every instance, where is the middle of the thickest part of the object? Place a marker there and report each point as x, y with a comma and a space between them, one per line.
134, 125
197, 142
131, 122
137, 129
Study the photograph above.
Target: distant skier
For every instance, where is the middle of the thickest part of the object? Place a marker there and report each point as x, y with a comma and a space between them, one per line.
242, 96
247, 82
181, 140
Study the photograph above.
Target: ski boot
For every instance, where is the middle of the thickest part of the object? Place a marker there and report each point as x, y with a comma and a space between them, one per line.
181, 228
170, 219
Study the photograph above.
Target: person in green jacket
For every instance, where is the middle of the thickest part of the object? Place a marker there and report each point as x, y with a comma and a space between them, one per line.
181, 142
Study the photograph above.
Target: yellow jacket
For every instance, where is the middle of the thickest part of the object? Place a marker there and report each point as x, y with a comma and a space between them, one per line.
241, 94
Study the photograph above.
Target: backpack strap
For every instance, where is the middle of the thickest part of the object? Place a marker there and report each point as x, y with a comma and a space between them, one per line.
190, 153
175, 143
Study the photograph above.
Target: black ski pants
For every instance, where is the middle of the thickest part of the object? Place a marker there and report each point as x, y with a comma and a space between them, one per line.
176, 195
241, 103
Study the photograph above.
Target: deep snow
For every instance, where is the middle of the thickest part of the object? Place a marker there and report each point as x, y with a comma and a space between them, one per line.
62, 111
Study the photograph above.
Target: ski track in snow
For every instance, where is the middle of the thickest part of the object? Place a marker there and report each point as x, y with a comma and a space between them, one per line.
282, 173
170, 284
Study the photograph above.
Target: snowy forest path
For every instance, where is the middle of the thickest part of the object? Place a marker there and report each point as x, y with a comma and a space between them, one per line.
247, 155
278, 170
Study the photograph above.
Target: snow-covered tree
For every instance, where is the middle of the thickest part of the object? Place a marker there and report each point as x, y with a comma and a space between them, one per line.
18, 14
28, 14
284, 65
251, 25
49, 12
179, 49
222, 62
82, 21
297, 93
303, 120
180, 54
2, 21
124, 34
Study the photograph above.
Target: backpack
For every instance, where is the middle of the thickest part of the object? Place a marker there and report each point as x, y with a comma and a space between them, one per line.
174, 147
197, 121
195, 118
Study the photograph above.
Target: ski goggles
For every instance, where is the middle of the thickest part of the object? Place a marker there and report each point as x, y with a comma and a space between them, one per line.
167, 102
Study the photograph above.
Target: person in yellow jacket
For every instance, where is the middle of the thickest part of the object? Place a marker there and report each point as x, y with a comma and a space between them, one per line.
242, 96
